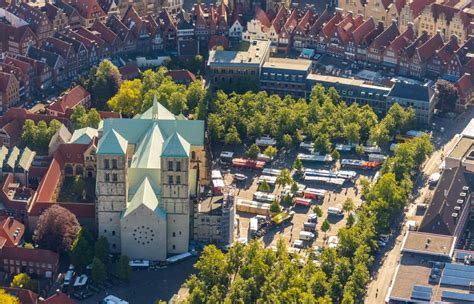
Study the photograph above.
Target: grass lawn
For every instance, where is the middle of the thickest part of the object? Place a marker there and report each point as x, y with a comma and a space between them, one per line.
71, 190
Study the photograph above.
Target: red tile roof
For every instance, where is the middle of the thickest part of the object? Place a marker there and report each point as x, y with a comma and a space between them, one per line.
70, 99
417, 6
331, 25
261, 16
428, 49
305, 21
181, 75
363, 30
386, 37
411, 49
279, 21
80, 210
129, 71
11, 231
105, 33
447, 51
403, 40
89, 9
5, 79
465, 85
319, 23
218, 40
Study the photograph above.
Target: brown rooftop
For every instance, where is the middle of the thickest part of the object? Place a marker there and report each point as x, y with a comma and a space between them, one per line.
428, 243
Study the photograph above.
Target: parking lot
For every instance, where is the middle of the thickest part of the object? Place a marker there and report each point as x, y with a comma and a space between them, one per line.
335, 197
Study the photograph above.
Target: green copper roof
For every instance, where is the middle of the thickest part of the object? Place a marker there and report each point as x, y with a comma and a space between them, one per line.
175, 146
112, 143
148, 152
157, 111
83, 136
145, 195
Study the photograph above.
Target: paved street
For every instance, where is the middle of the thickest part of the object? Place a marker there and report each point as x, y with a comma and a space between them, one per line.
147, 286
444, 142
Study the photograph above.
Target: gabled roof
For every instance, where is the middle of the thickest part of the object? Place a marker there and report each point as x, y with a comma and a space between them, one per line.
69, 10
30, 14
105, 33
157, 111
181, 75
261, 16
319, 23
26, 159
12, 157
11, 232
50, 10
5, 79
363, 30
403, 40
62, 135
112, 143
417, 6
42, 55
292, 21
465, 84
386, 37
279, 21
329, 28
89, 9
70, 99
57, 46
145, 196
133, 21
428, 49
410, 50
175, 146
90, 35
304, 24
149, 150
120, 29
447, 51
465, 49
83, 136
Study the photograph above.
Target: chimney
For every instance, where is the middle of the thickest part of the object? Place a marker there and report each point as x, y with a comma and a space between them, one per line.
412, 25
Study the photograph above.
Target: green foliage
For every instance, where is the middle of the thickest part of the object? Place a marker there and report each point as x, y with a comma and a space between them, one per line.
287, 141
335, 154
253, 151
397, 120
82, 250
348, 205
104, 82
317, 210
28, 246
270, 151
447, 95
232, 137
287, 200
99, 271
275, 207
128, 99
81, 119
37, 137
123, 270
298, 165
284, 178
102, 250
325, 226
359, 149
264, 186
22, 280
322, 144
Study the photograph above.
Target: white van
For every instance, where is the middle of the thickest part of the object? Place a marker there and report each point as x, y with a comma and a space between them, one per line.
306, 236
334, 211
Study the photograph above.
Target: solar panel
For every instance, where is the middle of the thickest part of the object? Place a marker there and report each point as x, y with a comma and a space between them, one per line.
461, 267
456, 296
423, 288
455, 281
459, 273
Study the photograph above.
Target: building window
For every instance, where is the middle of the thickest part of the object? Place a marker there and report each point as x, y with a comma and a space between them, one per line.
174, 234
170, 166
114, 177
178, 180
170, 179
178, 166
114, 164
193, 155
113, 233
174, 247
106, 163
107, 177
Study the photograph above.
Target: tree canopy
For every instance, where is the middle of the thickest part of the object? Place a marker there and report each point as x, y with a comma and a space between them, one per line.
6, 298
39, 135
81, 118
56, 229
447, 95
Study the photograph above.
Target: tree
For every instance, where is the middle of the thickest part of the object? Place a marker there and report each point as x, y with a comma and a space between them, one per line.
128, 99
298, 165
325, 227
99, 272
102, 250
79, 117
253, 151
447, 95
82, 251
317, 210
56, 229
124, 271
28, 246
195, 94
215, 127
322, 144
264, 186
105, 83
287, 141
6, 298
287, 199
270, 151
39, 136
350, 220
232, 137
275, 207
359, 149
352, 132
22, 280
348, 205
93, 118
335, 154
284, 178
